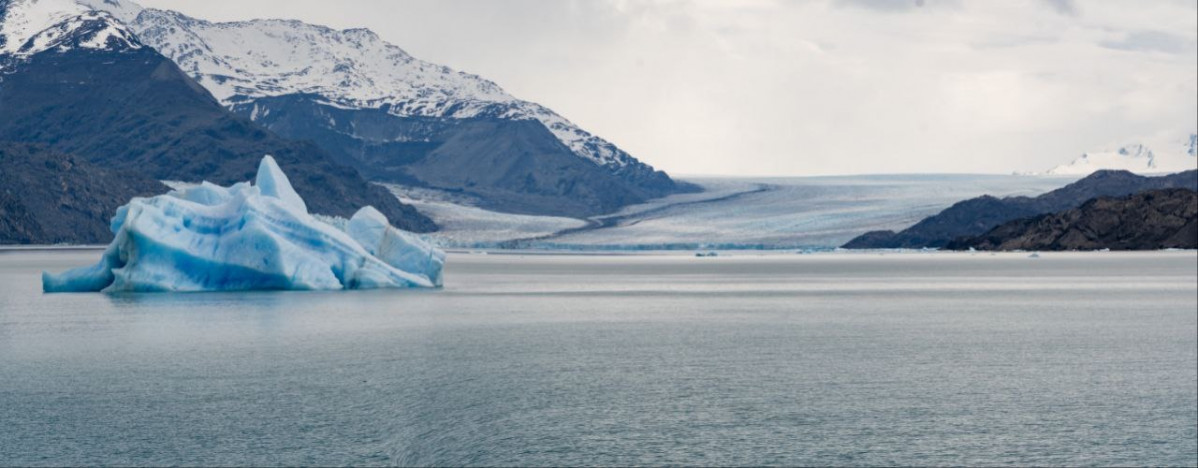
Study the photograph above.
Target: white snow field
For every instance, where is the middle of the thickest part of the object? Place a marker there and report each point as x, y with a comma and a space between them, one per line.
1157, 156
246, 237
732, 213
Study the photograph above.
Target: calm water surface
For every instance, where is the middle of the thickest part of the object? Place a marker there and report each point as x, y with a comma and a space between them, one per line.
836, 359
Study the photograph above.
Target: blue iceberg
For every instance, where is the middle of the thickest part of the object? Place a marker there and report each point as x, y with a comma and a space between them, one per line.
245, 237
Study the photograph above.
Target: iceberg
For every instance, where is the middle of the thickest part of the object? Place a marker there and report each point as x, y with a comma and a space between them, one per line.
247, 237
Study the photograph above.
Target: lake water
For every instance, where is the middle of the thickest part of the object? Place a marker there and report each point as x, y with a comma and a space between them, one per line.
840, 359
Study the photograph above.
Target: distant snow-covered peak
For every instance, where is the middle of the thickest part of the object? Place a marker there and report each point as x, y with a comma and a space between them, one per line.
243, 60
1173, 155
91, 30
28, 27
20, 20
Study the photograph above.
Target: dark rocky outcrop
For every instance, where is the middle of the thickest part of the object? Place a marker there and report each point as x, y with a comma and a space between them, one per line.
978, 215
47, 197
132, 109
1154, 219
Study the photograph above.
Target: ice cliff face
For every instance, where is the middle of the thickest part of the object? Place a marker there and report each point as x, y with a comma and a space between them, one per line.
247, 237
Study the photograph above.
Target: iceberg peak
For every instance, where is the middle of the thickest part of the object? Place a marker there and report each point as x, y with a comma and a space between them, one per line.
272, 182
245, 237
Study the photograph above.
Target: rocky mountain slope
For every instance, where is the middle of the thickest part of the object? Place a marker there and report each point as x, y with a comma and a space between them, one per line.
86, 86
49, 197
1155, 219
978, 215
397, 118
507, 165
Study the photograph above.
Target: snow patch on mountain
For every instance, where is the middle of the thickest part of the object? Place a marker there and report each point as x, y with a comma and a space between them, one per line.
123, 11
29, 27
1172, 155
91, 30
21, 20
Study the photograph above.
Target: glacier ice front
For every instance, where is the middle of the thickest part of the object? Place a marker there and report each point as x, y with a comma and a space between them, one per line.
244, 237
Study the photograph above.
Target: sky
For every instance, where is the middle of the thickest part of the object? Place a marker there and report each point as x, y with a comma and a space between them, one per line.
811, 87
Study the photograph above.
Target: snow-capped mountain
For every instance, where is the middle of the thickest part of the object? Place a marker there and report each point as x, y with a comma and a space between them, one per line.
1171, 155
245, 60
34, 26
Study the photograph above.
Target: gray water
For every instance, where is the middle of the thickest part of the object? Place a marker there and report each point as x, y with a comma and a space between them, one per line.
827, 359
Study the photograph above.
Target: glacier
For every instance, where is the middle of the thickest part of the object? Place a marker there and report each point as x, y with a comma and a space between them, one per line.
249, 237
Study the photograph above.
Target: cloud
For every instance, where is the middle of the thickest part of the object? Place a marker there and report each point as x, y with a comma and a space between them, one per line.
897, 6
1064, 7
1151, 41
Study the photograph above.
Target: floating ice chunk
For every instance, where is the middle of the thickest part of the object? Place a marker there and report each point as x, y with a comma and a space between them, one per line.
394, 247
211, 238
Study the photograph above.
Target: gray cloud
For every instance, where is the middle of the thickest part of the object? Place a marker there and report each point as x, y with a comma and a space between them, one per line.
998, 41
897, 6
1064, 7
1152, 41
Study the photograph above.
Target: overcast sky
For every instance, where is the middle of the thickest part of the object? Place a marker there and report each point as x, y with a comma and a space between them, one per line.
774, 87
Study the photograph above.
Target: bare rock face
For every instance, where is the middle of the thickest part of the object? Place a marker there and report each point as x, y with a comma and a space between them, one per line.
1154, 219
47, 197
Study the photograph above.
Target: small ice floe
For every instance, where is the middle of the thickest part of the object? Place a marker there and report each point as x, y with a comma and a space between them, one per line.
1034, 255
245, 237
